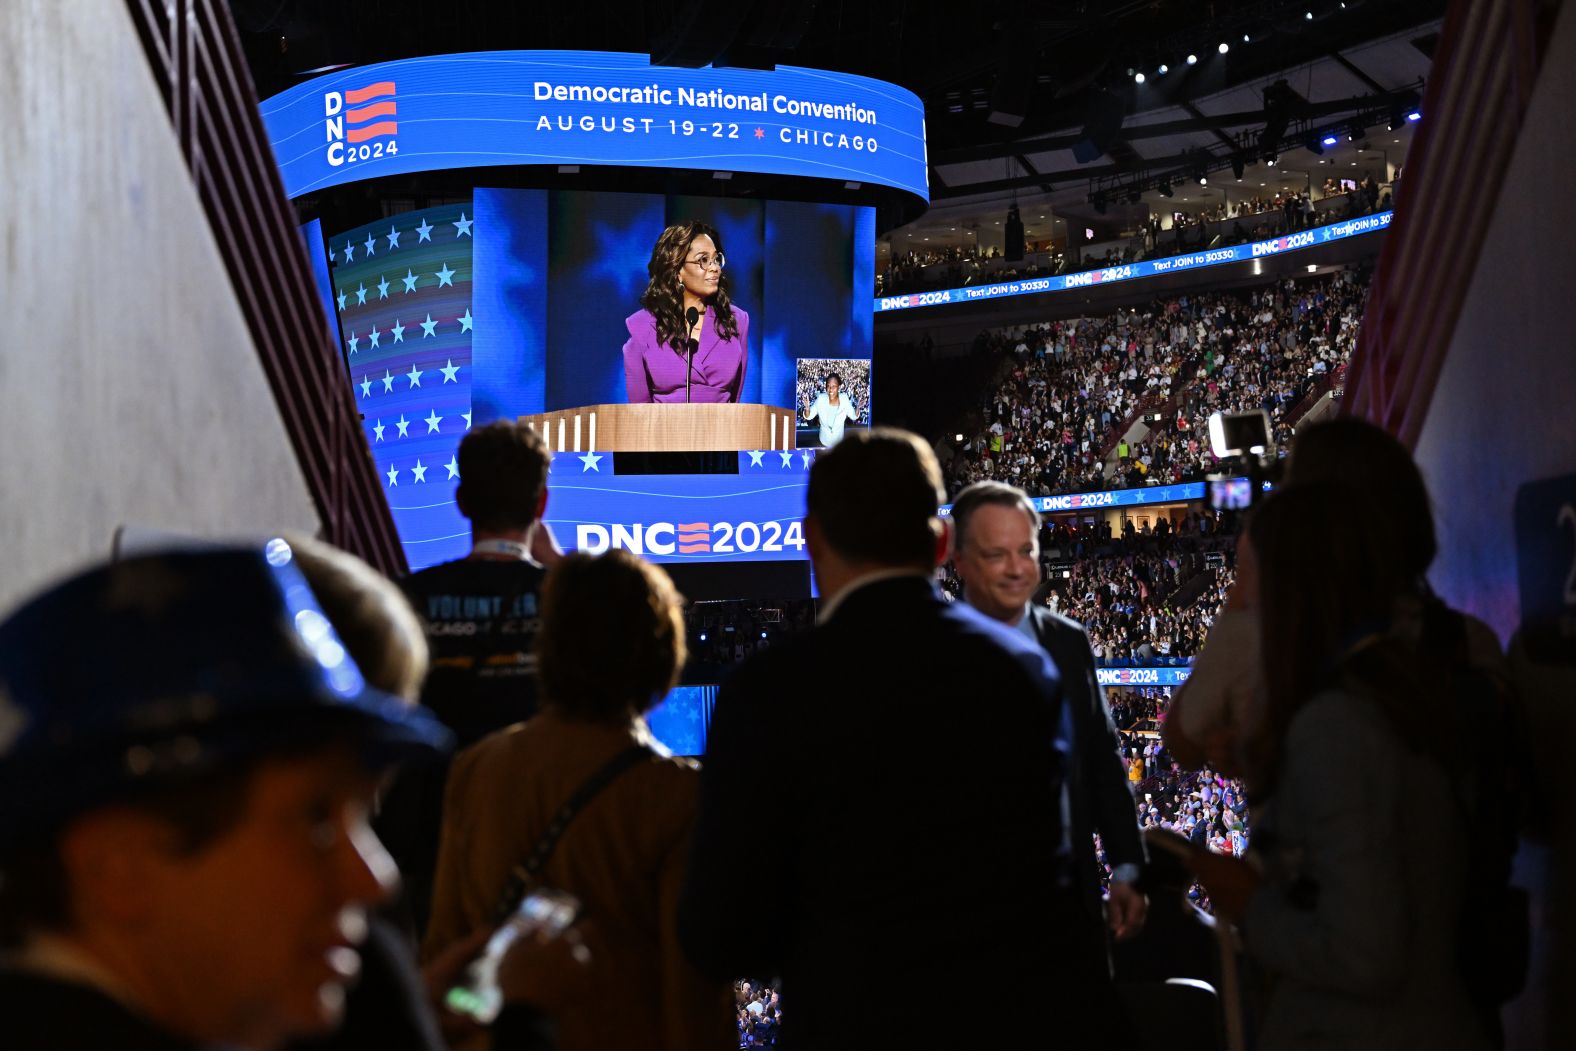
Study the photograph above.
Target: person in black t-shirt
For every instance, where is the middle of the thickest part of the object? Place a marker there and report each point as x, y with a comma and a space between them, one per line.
480, 615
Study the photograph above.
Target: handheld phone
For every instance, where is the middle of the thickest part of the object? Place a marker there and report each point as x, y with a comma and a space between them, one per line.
545, 914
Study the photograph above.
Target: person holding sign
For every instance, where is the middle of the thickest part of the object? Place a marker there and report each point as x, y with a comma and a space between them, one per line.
833, 409
687, 342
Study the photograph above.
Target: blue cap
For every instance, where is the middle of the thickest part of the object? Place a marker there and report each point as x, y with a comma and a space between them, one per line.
165, 666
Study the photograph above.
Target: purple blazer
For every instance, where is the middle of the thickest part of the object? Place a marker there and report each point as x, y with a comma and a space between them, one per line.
654, 371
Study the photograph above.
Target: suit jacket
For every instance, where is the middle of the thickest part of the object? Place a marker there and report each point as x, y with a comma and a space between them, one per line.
623, 856
654, 371
1097, 784
881, 802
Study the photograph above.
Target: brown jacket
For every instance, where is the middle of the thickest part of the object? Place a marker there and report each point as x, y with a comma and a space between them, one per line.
624, 856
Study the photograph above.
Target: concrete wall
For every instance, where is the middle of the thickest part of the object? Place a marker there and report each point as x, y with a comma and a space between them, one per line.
129, 388
1501, 416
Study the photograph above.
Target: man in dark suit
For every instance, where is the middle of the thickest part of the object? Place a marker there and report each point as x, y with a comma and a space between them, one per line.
997, 555
912, 753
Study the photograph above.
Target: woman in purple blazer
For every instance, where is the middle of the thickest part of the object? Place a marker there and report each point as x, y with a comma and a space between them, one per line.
688, 324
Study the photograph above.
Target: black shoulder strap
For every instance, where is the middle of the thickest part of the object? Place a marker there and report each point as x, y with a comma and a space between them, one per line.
524, 875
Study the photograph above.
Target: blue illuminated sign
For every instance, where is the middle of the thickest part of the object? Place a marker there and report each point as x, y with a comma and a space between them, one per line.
587, 107
1153, 494
1142, 676
1149, 268
753, 516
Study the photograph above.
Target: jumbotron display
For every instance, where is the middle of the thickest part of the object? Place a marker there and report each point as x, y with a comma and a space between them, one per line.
595, 108
613, 322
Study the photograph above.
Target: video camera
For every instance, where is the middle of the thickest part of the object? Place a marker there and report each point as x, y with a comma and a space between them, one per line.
1244, 444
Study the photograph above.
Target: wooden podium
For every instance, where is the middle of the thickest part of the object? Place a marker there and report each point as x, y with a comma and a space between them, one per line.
669, 427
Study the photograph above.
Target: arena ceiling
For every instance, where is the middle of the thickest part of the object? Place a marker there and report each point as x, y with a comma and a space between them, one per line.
1033, 101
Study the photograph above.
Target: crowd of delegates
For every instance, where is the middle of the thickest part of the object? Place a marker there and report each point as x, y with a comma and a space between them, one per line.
1125, 603
758, 1013
1066, 388
1254, 219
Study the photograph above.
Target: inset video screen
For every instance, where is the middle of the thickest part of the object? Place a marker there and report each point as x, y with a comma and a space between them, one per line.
519, 303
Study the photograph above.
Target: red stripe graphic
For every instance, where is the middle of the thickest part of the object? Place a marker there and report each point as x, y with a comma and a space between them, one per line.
690, 549
371, 131
377, 109
371, 91
692, 526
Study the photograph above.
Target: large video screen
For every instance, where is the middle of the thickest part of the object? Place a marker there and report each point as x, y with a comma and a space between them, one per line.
522, 302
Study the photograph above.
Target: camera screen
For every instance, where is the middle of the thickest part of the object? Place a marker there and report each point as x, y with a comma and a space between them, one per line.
1230, 494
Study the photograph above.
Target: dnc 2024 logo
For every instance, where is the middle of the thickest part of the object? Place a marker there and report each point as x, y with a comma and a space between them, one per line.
691, 538
365, 132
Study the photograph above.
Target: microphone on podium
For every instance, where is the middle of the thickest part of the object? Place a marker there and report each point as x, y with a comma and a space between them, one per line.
692, 316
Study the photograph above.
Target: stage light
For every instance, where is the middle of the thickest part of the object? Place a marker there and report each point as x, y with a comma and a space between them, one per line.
1138, 78
1308, 15
1164, 69
1330, 140
1267, 160
1203, 180
703, 636
1414, 116
1192, 60
1246, 38
1224, 47
763, 634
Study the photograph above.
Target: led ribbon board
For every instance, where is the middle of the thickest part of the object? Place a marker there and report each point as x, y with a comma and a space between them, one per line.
1152, 494
598, 108
1142, 676
1148, 268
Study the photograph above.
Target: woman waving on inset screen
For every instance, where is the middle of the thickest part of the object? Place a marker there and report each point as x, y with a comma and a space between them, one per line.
833, 408
688, 341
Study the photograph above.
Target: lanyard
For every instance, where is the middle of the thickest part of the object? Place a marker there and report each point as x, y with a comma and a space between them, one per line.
507, 548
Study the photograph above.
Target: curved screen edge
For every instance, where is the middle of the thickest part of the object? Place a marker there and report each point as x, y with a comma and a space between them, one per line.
594, 108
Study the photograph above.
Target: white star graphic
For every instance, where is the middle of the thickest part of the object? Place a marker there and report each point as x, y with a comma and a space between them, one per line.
463, 227
388, 382
467, 420
371, 244
393, 477
352, 341
755, 458
393, 236
787, 458
424, 231
453, 467
445, 276
414, 375
350, 251
432, 421
419, 471
403, 425
429, 327
590, 461
399, 331
342, 299
465, 320
361, 295
378, 430
410, 281
383, 287
366, 386
372, 340
805, 458
332, 258
449, 372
